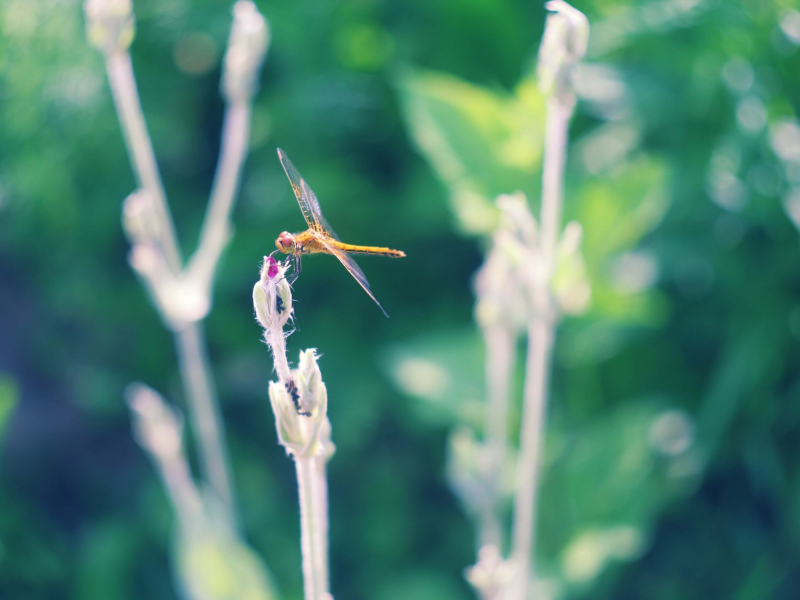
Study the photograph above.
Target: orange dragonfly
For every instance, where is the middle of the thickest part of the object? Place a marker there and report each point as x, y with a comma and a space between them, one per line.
320, 237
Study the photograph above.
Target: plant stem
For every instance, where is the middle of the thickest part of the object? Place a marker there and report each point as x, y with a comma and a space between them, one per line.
537, 368
305, 435
313, 524
233, 152
277, 343
559, 113
541, 333
190, 343
204, 412
321, 531
140, 148
500, 357
187, 503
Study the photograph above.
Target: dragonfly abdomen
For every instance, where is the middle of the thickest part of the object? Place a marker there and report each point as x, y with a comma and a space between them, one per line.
378, 251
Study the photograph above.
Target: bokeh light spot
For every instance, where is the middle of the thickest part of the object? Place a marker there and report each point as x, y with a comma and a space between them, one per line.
364, 47
423, 378
195, 53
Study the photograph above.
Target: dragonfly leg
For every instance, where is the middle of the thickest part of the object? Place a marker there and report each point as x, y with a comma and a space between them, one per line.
296, 268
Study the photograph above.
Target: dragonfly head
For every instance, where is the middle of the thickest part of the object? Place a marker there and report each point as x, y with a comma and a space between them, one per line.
285, 242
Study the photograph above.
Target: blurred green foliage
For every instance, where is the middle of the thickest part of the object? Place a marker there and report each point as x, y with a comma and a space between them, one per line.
480, 145
215, 568
683, 170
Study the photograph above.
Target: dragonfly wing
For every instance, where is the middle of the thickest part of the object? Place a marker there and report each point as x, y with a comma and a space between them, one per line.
354, 270
298, 186
306, 198
322, 225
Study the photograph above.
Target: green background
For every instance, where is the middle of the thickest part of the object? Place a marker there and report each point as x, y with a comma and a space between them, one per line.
692, 253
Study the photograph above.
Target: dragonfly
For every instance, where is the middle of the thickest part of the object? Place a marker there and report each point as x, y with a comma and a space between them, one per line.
320, 237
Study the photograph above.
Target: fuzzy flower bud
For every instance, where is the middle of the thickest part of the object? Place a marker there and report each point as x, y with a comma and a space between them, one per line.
110, 25
468, 472
326, 446
308, 377
272, 296
519, 240
300, 406
498, 288
139, 219
179, 299
550, 289
501, 299
247, 47
566, 38
157, 426
491, 574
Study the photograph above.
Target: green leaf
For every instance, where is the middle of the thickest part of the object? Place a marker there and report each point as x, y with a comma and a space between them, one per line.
618, 208
216, 567
9, 397
606, 483
213, 563
481, 143
446, 371
107, 551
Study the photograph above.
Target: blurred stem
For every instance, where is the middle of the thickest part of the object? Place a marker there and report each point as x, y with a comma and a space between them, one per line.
195, 371
537, 370
313, 494
186, 500
216, 226
541, 334
559, 112
204, 412
140, 148
500, 356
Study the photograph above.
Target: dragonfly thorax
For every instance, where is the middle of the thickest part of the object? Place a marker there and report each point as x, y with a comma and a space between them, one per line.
285, 242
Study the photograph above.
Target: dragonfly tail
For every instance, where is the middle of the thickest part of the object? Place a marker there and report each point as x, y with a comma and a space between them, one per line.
374, 250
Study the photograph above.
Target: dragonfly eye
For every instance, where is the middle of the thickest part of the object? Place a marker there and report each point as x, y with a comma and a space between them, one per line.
285, 242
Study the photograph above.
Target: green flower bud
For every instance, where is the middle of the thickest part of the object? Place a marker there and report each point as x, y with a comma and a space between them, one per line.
157, 426
139, 219
491, 574
300, 406
501, 299
309, 382
272, 296
110, 25
287, 421
179, 299
247, 47
472, 470
565, 40
498, 286
326, 446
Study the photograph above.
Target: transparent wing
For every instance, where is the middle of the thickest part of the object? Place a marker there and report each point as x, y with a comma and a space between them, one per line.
309, 205
322, 223
297, 186
354, 270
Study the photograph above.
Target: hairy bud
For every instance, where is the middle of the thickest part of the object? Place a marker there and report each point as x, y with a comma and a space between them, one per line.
566, 38
247, 47
272, 296
300, 406
157, 426
110, 25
